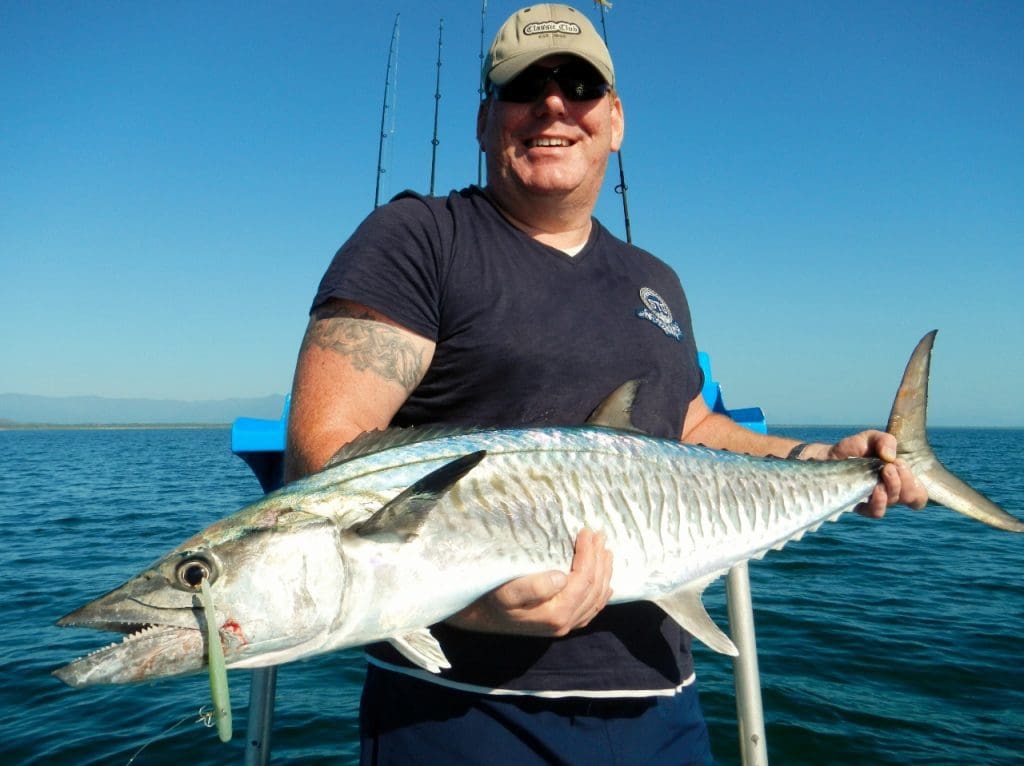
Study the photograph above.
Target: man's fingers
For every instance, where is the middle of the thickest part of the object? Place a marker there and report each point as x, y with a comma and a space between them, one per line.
588, 589
548, 603
874, 507
882, 444
912, 491
897, 485
892, 482
600, 591
530, 591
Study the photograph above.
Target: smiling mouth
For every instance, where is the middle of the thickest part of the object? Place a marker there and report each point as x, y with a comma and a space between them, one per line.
547, 142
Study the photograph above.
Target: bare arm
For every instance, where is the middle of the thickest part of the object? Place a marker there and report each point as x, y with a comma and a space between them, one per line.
896, 482
355, 369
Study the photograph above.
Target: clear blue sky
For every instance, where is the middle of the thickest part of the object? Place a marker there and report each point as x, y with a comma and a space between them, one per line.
830, 180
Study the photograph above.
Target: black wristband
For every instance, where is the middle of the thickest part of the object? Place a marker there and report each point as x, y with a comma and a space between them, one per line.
794, 454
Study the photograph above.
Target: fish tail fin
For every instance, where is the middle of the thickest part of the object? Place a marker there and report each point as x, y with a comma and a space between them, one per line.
907, 422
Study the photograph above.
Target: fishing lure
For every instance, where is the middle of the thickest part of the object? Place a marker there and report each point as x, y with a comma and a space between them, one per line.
218, 671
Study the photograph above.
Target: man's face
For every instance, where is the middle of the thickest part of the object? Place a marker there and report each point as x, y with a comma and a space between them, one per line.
550, 146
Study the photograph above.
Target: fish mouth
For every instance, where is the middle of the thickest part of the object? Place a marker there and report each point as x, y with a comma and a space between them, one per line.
156, 641
119, 613
146, 651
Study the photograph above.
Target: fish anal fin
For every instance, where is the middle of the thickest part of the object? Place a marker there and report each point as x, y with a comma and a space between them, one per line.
686, 608
421, 648
403, 516
616, 411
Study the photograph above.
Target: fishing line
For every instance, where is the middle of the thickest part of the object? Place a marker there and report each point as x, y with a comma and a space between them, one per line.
206, 717
220, 714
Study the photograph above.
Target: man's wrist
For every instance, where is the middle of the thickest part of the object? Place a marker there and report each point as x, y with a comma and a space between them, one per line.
797, 451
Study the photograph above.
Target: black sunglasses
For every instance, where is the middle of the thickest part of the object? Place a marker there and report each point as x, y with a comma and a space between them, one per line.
577, 80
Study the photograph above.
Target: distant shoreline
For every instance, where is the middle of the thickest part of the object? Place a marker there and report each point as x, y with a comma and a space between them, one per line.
108, 426
32, 412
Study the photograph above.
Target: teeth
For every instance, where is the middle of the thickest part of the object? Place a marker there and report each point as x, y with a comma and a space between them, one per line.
143, 630
549, 142
138, 632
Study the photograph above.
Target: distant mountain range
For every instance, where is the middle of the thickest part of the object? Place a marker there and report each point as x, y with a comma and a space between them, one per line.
21, 409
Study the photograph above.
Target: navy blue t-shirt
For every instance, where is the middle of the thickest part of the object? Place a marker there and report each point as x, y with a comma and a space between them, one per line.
527, 335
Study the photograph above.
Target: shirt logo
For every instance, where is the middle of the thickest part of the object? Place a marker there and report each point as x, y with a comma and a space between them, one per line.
657, 311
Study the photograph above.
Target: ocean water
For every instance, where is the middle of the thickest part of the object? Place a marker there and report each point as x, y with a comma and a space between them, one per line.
891, 642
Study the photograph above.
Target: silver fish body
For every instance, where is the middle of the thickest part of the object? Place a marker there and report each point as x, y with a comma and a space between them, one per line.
672, 513
403, 530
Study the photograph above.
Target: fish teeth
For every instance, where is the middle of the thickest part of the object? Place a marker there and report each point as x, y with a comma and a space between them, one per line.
127, 637
138, 633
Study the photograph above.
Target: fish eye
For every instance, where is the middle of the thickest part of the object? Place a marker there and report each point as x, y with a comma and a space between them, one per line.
192, 571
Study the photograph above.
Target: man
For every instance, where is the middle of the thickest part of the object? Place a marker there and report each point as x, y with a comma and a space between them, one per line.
512, 306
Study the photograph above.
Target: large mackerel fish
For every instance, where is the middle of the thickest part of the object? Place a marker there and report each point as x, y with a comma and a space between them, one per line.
404, 528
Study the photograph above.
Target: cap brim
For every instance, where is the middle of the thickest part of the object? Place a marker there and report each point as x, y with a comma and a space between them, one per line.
509, 69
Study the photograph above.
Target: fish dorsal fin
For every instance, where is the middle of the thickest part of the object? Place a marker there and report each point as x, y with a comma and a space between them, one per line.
616, 411
372, 442
421, 648
403, 516
685, 607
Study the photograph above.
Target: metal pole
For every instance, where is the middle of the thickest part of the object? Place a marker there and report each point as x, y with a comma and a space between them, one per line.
261, 716
753, 748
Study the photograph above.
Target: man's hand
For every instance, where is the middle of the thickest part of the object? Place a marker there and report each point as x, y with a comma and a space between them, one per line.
896, 484
548, 603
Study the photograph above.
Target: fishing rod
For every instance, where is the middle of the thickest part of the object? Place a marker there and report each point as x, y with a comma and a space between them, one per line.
621, 188
480, 92
437, 106
384, 111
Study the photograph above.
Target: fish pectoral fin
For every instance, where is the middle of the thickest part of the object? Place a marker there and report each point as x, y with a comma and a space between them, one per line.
685, 607
403, 516
421, 648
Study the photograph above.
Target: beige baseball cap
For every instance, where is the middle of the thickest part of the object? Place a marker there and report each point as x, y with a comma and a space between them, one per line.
533, 33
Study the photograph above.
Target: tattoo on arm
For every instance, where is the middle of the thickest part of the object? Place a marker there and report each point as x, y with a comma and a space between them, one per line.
370, 344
